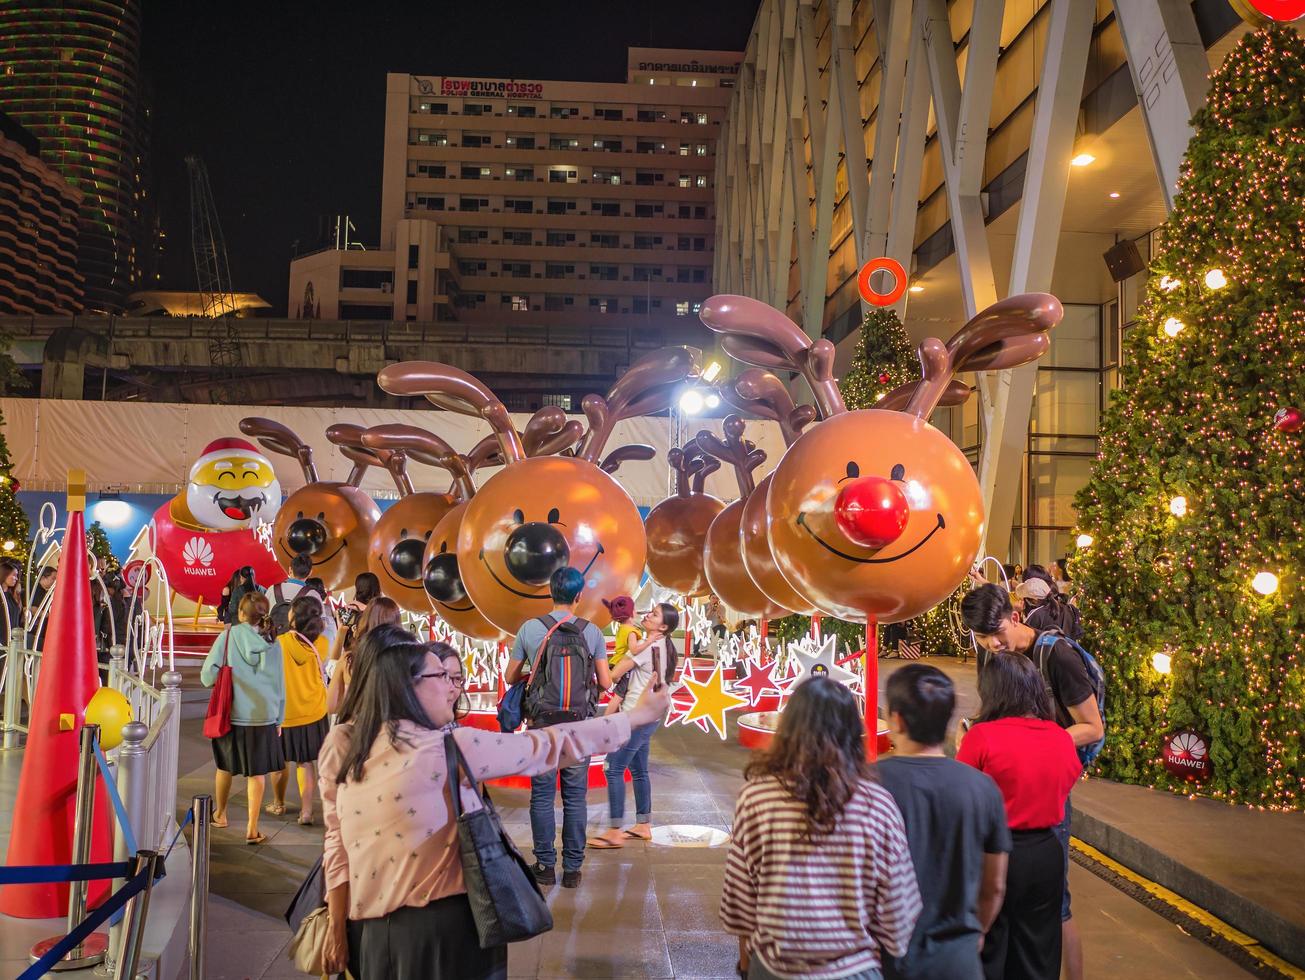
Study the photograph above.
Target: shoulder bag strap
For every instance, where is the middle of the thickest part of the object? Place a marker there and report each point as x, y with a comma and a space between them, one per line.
543, 646
457, 767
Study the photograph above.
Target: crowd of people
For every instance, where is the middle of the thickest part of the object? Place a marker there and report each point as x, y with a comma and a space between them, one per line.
920, 866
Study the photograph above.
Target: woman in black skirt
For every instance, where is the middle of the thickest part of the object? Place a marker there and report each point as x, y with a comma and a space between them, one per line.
302, 649
253, 746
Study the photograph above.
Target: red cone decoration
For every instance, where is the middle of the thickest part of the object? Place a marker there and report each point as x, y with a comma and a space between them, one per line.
47, 789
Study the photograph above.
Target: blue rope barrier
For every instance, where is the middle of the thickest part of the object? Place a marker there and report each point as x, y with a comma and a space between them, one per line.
116, 800
44, 874
190, 815
88, 925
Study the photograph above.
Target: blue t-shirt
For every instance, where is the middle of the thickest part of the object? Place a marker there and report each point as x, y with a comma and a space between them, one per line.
531, 636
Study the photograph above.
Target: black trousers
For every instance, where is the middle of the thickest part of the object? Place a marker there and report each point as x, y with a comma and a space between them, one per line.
435, 942
1024, 942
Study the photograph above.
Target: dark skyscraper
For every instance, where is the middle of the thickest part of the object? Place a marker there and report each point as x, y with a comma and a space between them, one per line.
71, 76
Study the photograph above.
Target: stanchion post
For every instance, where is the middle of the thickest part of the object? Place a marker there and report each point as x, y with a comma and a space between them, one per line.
134, 917
201, 808
13, 692
91, 950
130, 778
165, 765
872, 687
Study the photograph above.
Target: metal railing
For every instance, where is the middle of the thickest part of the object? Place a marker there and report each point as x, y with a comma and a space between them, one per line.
18, 678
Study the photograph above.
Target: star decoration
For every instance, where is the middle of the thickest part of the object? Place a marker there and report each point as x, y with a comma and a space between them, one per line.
711, 701
822, 661
760, 680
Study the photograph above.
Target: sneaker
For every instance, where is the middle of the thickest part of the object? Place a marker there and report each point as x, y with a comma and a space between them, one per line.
544, 875
570, 879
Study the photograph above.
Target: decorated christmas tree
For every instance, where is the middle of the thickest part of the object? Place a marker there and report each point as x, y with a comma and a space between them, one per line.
883, 360
1191, 587
97, 542
14, 525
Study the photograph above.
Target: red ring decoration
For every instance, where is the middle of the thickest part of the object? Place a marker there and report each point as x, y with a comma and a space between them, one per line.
868, 292
1259, 12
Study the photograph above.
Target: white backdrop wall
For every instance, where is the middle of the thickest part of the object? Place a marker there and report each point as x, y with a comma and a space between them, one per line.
148, 448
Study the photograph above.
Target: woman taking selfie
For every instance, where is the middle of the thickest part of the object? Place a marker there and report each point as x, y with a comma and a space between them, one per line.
818, 880
644, 658
380, 611
1033, 761
397, 902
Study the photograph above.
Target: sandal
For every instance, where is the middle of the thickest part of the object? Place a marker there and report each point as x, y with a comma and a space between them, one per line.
218, 824
604, 844
305, 821
637, 835
276, 809
259, 839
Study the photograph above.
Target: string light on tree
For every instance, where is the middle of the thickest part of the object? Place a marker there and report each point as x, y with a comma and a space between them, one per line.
1178, 506
1265, 583
1215, 279
1084, 541
1174, 326
1162, 663
1169, 283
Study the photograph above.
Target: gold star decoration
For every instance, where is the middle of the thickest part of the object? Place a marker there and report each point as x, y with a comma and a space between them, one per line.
710, 700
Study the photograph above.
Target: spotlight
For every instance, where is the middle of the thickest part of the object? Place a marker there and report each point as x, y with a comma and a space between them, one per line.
1169, 283
712, 400
1114, 195
1174, 326
917, 288
1265, 583
711, 372
1081, 160
1084, 541
1162, 663
112, 513
1178, 506
692, 402
1215, 279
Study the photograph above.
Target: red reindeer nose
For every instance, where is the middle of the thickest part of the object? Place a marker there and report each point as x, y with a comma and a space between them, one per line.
872, 511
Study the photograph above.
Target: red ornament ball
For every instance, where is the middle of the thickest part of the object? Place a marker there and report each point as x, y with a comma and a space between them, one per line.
883, 378
1288, 420
872, 511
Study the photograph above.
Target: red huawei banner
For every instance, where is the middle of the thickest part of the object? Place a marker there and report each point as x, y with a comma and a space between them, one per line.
1261, 12
200, 562
1187, 756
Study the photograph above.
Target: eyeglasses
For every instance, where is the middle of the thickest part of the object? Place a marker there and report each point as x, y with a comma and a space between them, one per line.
457, 680
432, 676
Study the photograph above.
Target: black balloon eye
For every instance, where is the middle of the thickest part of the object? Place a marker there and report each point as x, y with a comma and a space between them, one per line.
898, 473
853, 471
518, 517
553, 516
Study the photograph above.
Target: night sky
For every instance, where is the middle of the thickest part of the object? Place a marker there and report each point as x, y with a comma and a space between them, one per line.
285, 101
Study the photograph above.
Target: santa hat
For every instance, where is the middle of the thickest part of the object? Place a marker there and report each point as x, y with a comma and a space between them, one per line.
228, 448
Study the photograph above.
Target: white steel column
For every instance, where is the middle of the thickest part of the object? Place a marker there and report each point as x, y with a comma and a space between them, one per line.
1051, 144
1171, 75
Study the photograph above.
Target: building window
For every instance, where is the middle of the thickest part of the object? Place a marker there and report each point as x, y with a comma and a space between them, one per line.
471, 173
472, 203
412, 256
427, 137
602, 304
606, 176
646, 273
608, 272
700, 180
367, 279
558, 270
560, 239
521, 173
700, 211
516, 270
475, 139
412, 291
684, 149
518, 238
645, 146
428, 202
639, 304
556, 304
560, 207
519, 205
609, 209
647, 209
682, 308
434, 108
612, 115
647, 241
472, 236
563, 112
686, 116
612, 146
525, 142
562, 177
436, 170
520, 304
647, 115
605, 240
476, 109
471, 268
522, 111
685, 181
700, 149
648, 178
702, 119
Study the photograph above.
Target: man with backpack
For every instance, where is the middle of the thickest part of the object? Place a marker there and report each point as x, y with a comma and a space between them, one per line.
566, 658
284, 593
1077, 687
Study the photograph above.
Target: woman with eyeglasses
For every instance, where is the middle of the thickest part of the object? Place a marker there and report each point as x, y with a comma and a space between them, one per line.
398, 905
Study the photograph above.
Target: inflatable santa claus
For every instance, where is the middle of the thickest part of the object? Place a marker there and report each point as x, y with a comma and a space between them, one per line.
209, 530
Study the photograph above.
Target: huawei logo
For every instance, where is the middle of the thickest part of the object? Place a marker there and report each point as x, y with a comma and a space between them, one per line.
197, 551
1188, 744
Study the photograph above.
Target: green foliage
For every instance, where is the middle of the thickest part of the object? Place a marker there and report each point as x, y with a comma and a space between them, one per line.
1195, 418
98, 544
14, 525
883, 360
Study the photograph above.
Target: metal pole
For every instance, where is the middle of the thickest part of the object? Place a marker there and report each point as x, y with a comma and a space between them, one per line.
135, 916
131, 782
165, 803
202, 809
117, 665
91, 950
13, 693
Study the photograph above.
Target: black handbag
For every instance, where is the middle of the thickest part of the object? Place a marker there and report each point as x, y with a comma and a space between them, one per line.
505, 898
310, 896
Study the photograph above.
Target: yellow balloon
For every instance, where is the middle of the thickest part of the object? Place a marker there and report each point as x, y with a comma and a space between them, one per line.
110, 710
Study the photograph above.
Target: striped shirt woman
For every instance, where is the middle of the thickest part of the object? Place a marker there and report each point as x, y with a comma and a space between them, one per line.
819, 878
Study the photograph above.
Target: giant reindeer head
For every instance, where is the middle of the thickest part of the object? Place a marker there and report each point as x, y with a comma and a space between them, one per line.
677, 527
876, 512
398, 541
547, 432
327, 521
721, 554
540, 514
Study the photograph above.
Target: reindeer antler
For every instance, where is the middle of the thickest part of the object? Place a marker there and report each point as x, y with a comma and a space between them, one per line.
348, 437
549, 432
648, 386
447, 387
425, 447
760, 335
700, 465
1007, 334
762, 394
277, 438
634, 452
740, 453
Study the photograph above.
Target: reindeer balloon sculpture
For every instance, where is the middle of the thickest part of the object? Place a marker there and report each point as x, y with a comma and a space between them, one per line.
328, 521
722, 551
875, 515
540, 514
677, 527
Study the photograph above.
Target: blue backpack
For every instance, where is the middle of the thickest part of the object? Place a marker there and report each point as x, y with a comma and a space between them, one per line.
1087, 754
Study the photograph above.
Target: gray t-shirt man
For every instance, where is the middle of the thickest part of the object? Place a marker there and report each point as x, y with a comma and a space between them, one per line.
530, 637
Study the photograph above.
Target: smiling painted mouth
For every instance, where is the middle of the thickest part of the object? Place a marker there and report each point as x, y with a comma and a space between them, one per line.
291, 555
467, 608
237, 507
802, 523
516, 592
401, 582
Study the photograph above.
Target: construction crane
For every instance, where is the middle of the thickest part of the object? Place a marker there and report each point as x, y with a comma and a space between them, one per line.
214, 277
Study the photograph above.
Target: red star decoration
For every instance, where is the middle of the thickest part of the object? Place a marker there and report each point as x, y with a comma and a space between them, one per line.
760, 680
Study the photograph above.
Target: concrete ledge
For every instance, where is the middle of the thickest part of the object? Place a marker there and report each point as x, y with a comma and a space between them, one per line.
1242, 865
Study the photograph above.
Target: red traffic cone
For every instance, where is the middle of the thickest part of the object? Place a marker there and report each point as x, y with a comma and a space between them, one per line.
42, 831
